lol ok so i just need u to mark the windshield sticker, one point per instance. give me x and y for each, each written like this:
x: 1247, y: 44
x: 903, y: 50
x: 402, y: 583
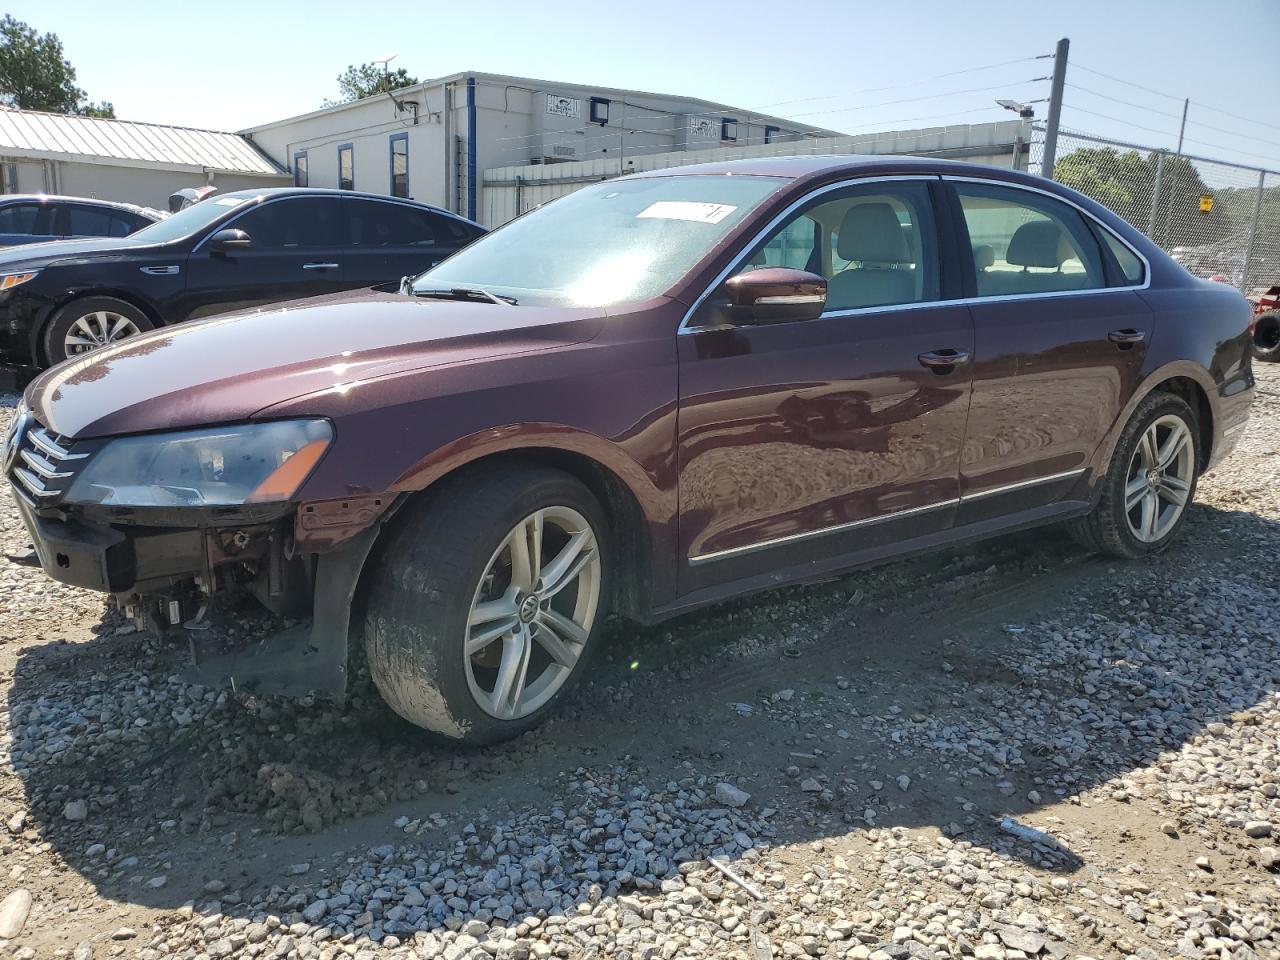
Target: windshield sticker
x: 687, y: 210
x: 229, y: 201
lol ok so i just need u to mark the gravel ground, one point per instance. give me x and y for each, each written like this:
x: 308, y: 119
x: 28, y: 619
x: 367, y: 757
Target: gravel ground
x: 1005, y: 751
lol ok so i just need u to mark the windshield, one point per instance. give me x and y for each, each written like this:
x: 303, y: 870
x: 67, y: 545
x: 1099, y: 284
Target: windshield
x: 186, y: 222
x: 614, y: 242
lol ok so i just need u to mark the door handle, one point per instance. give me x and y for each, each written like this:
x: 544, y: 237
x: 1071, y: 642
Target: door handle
x: 320, y: 266
x: 1126, y: 338
x: 943, y: 361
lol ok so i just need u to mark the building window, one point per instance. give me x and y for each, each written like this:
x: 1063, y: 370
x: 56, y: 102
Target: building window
x: 346, y: 167
x: 770, y: 132
x: 728, y: 129
x: 300, y: 169
x: 10, y: 171
x: 599, y: 110
x: 400, y: 165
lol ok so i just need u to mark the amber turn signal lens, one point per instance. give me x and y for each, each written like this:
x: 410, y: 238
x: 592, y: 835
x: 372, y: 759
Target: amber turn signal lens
x: 287, y: 477
x: 13, y: 279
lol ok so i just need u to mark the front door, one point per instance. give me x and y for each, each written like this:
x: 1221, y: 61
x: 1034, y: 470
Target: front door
x: 1057, y: 353
x: 805, y: 440
x: 297, y: 251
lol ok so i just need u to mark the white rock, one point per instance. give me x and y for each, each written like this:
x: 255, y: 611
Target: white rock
x: 731, y: 796
x: 13, y: 913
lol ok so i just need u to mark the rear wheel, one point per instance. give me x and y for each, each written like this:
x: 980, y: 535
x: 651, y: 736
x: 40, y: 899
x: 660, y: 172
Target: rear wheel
x: 1266, y: 337
x: 89, y: 323
x: 487, y: 603
x: 1150, y: 482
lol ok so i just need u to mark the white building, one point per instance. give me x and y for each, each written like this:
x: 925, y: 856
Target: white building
x: 434, y: 140
x: 138, y: 163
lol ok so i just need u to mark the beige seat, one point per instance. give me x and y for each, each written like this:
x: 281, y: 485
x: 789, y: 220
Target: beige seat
x: 872, y: 237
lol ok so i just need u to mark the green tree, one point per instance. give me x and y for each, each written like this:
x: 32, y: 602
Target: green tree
x: 34, y: 75
x: 1124, y: 182
x: 367, y: 80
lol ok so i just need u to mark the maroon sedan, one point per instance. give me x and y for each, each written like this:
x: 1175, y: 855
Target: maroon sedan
x: 654, y: 394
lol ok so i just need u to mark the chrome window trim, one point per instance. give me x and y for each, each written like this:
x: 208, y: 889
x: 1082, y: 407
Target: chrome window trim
x: 686, y: 328
x: 701, y: 558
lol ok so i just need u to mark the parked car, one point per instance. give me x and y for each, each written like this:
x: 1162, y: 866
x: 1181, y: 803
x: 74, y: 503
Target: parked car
x: 1266, y: 324
x: 36, y: 218
x: 659, y: 392
x: 235, y: 250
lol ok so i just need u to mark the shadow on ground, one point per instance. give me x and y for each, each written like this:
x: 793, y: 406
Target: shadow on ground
x: 985, y: 676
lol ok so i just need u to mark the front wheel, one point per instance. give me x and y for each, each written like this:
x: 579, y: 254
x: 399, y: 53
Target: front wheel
x: 89, y: 323
x: 487, y: 601
x: 1150, y: 482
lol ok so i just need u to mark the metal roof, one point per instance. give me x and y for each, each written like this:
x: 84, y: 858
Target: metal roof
x: 31, y: 133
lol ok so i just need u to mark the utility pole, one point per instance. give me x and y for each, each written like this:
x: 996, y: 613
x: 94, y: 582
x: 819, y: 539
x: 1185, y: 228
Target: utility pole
x: 1055, y: 108
x: 1183, y: 129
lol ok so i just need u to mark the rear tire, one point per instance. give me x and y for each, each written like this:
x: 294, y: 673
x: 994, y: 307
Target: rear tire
x: 89, y: 323
x: 1266, y: 337
x: 466, y: 636
x: 1149, y: 483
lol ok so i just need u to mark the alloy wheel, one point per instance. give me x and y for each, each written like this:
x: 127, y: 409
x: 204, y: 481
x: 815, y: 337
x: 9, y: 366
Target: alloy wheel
x: 1159, y: 480
x: 97, y: 329
x: 532, y: 612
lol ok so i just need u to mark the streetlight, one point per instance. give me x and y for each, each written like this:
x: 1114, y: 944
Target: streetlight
x: 1024, y: 110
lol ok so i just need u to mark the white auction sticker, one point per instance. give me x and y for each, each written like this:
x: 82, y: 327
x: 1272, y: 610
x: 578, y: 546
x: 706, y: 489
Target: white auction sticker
x: 228, y: 201
x: 687, y: 210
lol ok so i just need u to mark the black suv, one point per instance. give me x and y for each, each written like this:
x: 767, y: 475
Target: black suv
x: 230, y: 252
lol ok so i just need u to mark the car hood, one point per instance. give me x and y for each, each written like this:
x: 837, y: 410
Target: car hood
x: 228, y: 368
x: 42, y: 254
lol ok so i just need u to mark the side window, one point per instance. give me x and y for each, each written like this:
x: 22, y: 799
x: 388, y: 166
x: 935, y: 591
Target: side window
x: 89, y: 221
x: 123, y: 224
x: 1130, y: 266
x: 449, y: 230
x: 19, y: 218
x: 1026, y: 243
x: 294, y: 223
x: 875, y: 244
x: 346, y: 167
x: 375, y: 224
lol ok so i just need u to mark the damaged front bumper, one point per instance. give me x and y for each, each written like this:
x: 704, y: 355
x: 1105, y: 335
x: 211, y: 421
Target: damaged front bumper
x: 163, y: 568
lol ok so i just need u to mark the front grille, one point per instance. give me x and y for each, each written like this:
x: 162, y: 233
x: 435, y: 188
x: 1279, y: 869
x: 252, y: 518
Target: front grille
x: 42, y: 463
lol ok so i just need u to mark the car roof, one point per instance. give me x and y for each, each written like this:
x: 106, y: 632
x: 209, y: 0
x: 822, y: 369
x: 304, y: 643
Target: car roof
x: 332, y: 192
x: 823, y: 166
x: 9, y: 198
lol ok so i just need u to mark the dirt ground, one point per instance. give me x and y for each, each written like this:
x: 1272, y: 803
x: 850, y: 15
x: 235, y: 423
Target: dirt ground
x: 896, y: 730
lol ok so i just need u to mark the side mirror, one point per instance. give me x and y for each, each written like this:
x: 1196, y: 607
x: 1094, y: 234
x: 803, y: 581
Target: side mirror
x: 776, y: 295
x: 229, y: 241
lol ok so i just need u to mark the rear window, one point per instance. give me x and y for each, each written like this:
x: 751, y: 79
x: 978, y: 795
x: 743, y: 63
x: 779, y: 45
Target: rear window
x: 1129, y: 263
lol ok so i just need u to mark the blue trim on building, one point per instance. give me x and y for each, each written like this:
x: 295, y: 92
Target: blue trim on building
x: 391, y: 163
x: 306, y: 179
x: 471, y: 148
x: 352, y: 148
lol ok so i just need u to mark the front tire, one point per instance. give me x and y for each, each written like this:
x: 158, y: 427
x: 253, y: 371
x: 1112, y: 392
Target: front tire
x: 86, y: 324
x: 1266, y: 337
x: 1150, y: 481
x: 487, y: 602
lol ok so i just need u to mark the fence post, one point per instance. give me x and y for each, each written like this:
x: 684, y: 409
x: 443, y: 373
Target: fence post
x: 1253, y: 232
x: 1155, y: 195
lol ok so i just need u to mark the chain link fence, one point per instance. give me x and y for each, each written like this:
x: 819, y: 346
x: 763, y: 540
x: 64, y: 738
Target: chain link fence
x: 1217, y: 219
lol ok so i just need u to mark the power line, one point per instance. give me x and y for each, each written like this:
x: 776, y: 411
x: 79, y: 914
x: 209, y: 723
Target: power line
x: 1158, y: 93
x: 1165, y: 133
x: 1076, y: 86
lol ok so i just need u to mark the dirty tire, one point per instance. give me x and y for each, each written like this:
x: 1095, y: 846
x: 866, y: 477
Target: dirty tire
x: 427, y: 577
x: 1106, y: 528
x: 60, y: 324
x: 1266, y: 337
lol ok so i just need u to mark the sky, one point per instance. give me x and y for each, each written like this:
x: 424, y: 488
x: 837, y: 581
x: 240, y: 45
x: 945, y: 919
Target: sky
x: 849, y: 65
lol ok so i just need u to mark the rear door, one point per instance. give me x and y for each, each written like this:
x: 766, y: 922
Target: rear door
x: 1058, y: 351
x: 86, y: 220
x: 391, y: 240
x: 297, y: 251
